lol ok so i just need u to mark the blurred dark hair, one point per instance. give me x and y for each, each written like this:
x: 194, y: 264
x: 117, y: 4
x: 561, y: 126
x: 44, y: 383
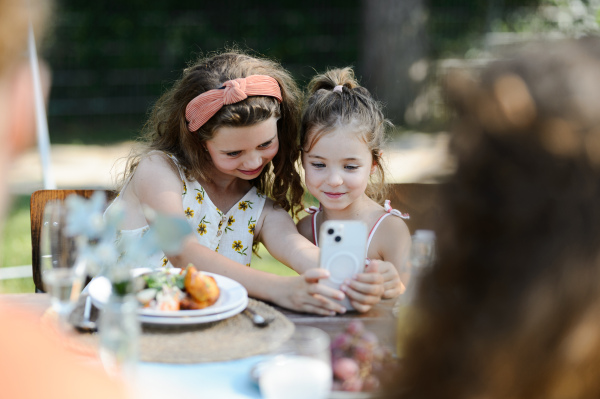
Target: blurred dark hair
x: 354, y: 109
x: 512, y: 307
x: 166, y: 129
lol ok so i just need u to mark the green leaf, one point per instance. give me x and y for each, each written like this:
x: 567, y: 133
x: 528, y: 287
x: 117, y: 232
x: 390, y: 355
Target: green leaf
x: 179, y: 279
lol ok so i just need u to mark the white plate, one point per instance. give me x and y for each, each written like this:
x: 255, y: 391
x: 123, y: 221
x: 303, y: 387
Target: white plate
x: 232, y: 295
x: 193, y: 319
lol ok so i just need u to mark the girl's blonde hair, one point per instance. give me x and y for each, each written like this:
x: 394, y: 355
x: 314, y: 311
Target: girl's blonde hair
x: 166, y: 129
x: 353, y: 107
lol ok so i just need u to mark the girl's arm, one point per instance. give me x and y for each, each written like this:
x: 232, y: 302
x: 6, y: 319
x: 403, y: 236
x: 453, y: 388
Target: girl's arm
x: 280, y: 237
x: 157, y: 184
x: 300, y: 293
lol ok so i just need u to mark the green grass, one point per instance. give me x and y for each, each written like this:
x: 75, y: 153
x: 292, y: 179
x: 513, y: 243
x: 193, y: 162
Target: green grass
x: 269, y: 264
x: 15, y: 249
x: 15, y: 246
x: 17, y: 286
x: 16, y: 243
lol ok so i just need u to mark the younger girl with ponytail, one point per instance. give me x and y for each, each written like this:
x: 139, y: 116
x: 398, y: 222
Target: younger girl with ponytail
x: 342, y: 133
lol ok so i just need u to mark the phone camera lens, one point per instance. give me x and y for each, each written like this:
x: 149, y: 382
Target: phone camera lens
x: 338, y: 239
x: 330, y: 231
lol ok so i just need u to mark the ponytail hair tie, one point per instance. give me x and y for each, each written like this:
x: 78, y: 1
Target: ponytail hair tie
x: 206, y: 105
x: 338, y: 88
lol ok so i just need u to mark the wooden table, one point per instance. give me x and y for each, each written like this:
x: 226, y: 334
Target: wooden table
x: 379, y: 319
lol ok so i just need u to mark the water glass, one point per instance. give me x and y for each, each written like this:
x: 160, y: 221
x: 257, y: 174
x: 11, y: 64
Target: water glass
x: 300, y: 368
x: 422, y: 256
x: 422, y: 252
x: 62, y: 272
x: 119, y: 330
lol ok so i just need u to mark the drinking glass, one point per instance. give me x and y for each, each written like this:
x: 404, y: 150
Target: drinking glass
x: 62, y: 273
x: 119, y: 330
x: 421, y: 257
x: 300, y: 368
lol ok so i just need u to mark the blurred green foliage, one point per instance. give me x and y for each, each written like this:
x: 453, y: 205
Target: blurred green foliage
x: 112, y: 59
x: 133, y: 33
x: 568, y: 17
x: 455, y: 26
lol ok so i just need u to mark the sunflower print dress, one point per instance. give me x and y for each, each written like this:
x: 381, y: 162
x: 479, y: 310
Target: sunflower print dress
x: 230, y: 233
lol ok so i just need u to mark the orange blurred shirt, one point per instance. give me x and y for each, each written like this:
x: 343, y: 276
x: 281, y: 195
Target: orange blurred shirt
x: 32, y: 365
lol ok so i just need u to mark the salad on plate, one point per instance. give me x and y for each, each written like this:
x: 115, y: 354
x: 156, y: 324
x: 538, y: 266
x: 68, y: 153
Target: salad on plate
x: 177, y: 289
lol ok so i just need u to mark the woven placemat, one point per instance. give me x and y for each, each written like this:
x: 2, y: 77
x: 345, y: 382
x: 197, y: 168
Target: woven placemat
x: 229, y: 339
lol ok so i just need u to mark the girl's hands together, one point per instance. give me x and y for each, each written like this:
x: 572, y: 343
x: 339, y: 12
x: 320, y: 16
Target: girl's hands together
x: 305, y: 294
x: 365, y: 289
x: 392, y: 284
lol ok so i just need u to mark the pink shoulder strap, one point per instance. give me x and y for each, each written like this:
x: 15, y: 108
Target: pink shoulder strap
x: 388, y: 208
x: 388, y: 211
x: 314, y: 211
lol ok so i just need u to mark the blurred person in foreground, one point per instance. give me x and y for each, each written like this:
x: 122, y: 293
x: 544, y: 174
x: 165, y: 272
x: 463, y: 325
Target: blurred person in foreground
x: 31, y: 364
x: 511, y: 309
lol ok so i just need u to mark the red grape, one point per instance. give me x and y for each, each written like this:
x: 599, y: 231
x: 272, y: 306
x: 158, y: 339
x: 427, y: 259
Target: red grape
x: 358, y: 360
x: 355, y: 327
x: 369, y: 338
x: 342, y: 341
x: 353, y: 385
x: 363, y: 353
x: 345, y: 368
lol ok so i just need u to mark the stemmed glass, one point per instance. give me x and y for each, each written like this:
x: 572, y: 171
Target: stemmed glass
x: 62, y: 273
x: 300, y: 368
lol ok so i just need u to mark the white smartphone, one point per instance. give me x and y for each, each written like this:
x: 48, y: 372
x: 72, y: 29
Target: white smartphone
x: 343, y: 246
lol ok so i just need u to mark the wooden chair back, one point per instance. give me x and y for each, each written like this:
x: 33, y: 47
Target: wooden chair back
x: 37, y: 204
x: 420, y: 200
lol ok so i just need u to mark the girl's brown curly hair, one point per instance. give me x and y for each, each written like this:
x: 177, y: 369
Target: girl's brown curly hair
x: 166, y: 129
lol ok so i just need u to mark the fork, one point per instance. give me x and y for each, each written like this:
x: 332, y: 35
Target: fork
x: 257, y: 319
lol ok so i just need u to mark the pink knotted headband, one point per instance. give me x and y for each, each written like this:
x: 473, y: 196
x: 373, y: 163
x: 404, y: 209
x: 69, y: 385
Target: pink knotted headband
x: 205, y: 105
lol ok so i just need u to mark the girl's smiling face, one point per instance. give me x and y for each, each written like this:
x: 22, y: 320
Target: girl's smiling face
x: 244, y: 151
x: 337, y: 168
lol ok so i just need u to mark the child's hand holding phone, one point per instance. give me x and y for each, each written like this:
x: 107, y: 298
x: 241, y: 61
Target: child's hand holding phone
x: 365, y: 289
